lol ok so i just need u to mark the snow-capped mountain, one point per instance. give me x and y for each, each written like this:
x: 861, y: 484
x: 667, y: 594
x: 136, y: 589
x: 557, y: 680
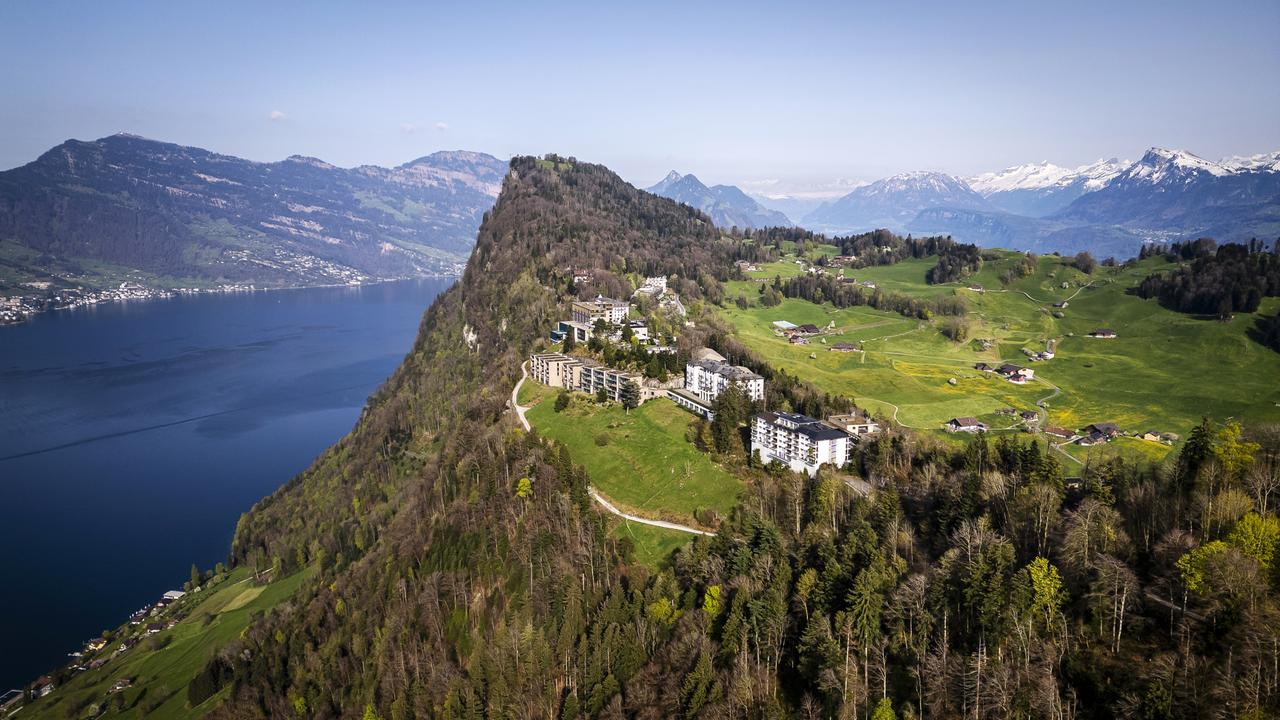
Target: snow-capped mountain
x: 893, y: 202
x: 1039, y: 189
x: 1265, y: 162
x: 726, y: 205
x: 1177, y: 191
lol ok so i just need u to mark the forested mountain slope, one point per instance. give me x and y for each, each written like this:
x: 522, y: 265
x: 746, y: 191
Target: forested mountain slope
x: 190, y: 215
x: 975, y: 581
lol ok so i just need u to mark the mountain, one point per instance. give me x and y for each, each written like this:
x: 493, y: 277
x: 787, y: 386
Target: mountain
x: 1039, y: 189
x: 893, y: 202
x: 726, y: 205
x: 793, y: 206
x: 1019, y: 232
x: 1183, y: 195
x: 94, y: 211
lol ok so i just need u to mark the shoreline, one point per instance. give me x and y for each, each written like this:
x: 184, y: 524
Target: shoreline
x: 149, y: 294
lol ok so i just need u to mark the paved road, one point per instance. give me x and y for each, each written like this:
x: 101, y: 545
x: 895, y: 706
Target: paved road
x: 524, y: 422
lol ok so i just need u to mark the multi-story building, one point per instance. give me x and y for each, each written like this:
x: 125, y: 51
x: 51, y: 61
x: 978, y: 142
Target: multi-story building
x: 707, y: 375
x: 584, y: 375
x: 798, y: 441
x: 613, y: 312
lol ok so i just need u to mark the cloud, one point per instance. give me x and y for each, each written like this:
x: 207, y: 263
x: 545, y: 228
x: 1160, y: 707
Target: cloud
x: 441, y: 126
x: 276, y: 116
x: 408, y: 128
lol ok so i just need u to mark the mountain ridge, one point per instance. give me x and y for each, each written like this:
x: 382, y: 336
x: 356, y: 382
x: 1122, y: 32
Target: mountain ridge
x: 726, y: 205
x: 193, y: 214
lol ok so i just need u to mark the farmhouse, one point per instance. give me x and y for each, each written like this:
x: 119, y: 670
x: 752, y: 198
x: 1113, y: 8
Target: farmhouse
x: 855, y: 423
x: 613, y: 312
x: 707, y: 375
x: 1061, y: 305
x: 845, y: 347
x: 1029, y: 415
x: 1015, y: 374
x: 1059, y: 432
x: 1106, y: 429
x: 964, y: 424
x: 746, y: 267
x: 1103, y: 333
x: 798, y: 340
x: 798, y: 441
x: 808, y: 329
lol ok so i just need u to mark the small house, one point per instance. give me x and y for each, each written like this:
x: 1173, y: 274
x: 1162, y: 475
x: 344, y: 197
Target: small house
x: 1105, y: 429
x: 798, y: 340
x: 964, y: 424
x: 1059, y: 432
x: 121, y: 684
x: 1103, y: 333
x: 1029, y: 415
x: 855, y: 423
x: 809, y: 329
x: 845, y: 347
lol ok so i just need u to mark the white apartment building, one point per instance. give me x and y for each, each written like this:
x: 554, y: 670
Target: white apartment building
x: 798, y: 441
x: 613, y: 312
x: 707, y: 375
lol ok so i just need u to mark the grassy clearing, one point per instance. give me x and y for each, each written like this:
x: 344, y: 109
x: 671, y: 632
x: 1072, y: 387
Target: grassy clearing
x: 161, y: 666
x: 1163, y: 372
x: 645, y: 464
x: 651, y: 546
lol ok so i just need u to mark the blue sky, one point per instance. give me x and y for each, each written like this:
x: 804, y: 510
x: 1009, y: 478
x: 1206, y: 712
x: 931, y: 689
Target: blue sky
x: 742, y: 92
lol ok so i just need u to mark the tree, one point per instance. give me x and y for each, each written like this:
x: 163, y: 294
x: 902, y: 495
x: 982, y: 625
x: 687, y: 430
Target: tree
x: 562, y: 400
x: 1233, y: 453
x: 570, y: 341
x: 602, y: 395
x: 524, y: 488
x: 195, y: 576
x: 629, y: 395
x: 884, y: 710
x: 1047, y: 593
x: 1085, y: 263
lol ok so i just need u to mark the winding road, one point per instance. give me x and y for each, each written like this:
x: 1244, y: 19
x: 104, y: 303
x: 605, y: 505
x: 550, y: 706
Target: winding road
x: 524, y: 422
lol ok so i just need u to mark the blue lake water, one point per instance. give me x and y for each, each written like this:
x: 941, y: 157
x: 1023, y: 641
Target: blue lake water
x: 132, y: 437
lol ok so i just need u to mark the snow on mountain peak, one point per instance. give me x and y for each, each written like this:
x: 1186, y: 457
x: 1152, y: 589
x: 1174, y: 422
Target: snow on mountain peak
x: 1161, y: 165
x: 1263, y: 162
x: 1046, y: 175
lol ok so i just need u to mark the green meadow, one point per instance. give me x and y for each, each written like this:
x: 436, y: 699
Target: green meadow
x: 1164, y: 371
x: 162, y: 665
x: 641, y: 461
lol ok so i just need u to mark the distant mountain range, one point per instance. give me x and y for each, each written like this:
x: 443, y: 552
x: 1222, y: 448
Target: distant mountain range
x: 726, y: 205
x: 125, y: 203
x: 1109, y: 207
x: 894, y: 202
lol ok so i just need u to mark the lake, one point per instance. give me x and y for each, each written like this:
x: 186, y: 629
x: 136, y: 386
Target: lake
x: 132, y: 437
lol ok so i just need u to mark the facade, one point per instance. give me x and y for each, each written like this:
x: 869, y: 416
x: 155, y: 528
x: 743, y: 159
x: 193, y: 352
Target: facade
x: 582, y: 332
x: 692, y: 403
x: 584, y: 375
x: 798, y: 441
x: 707, y: 378
x: 613, y: 312
x: 653, y: 286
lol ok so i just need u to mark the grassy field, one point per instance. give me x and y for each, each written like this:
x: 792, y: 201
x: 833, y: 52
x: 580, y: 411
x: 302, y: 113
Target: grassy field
x: 1163, y: 372
x: 161, y: 666
x: 645, y: 466
x: 652, y: 546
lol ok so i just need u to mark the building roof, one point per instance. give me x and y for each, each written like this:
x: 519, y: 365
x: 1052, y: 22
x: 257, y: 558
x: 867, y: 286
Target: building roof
x: 784, y: 325
x: 1059, y: 431
x: 964, y: 422
x: 803, y: 424
x: 706, y: 353
x: 725, y: 370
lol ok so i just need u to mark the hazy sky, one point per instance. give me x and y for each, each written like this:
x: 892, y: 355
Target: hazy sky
x: 735, y: 92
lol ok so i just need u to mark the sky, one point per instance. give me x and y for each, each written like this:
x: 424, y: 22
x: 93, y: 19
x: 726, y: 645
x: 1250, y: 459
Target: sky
x: 781, y: 94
